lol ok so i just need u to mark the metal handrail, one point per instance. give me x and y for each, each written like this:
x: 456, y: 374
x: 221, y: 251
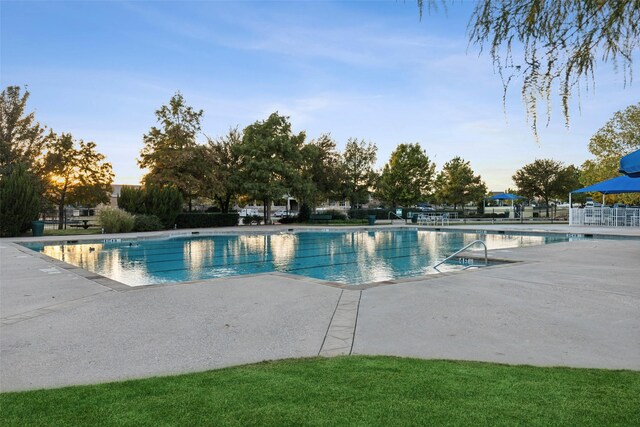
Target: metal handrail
x: 396, y: 215
x: 486, y: 259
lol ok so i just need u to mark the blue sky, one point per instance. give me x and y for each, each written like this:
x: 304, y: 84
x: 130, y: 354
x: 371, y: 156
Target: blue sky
x: 364, y: 69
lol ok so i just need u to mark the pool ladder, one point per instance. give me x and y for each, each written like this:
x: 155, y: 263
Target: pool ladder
x: 475, y: 242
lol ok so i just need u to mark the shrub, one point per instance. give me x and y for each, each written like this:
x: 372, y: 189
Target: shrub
x: 116, y: 220
x: 288, y: 220
x: 166, y: 203
x: 213, y: 209
x: 378, y: 213
x: 19, y: 201
x: 206, y: 220
x: 305, y: 213
x: 336, y: 215
x: 147, y: 223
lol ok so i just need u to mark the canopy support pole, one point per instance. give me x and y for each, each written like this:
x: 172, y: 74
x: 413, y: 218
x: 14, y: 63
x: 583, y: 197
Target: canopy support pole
x: 570, y: 210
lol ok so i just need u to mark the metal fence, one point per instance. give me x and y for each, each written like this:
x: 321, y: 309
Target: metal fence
x: 605, y: 216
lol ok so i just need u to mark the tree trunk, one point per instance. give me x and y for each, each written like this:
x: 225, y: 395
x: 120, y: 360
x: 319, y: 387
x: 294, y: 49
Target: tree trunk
x: 190, y: 203
x: 267, y: 211
x: 63, y: 194
x: 546, y: 202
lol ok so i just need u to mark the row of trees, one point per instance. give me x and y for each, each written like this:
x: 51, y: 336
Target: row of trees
x: 264, y: 161
x: 267, y: 160
x: 54, y: 170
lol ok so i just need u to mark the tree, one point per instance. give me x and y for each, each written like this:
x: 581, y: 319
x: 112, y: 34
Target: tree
x: 408, y: 177
x: 456, y: 184
x: 164, y: 202
x: 618, y: 137
x: 132, y: 200
x: 546, y: 179
x: 75, y: 173
x: 19, y: 201
x: 320, y: 172
x: 358, y: 161
x: 171, y: 153
x: 222, y: 178
x: 269, y: 157
x: 21, y: 137
x: 561, y: 43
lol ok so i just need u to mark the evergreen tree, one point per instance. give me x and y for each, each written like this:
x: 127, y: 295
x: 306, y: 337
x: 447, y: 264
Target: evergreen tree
x: 19, y: 201
x: 21, y: 137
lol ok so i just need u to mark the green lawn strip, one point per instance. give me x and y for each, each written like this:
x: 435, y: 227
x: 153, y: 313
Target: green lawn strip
x: 355, y: 390
x: 72, y: 232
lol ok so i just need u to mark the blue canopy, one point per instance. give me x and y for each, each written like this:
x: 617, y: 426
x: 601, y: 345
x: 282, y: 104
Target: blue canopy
x: 630, y: 164
x: 505, y: 196
x: 620, y: 184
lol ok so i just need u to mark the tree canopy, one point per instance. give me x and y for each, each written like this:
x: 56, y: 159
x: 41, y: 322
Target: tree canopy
x: 358, y: 162
x: 546, y: 179
x: 554, y: 43
x: 221, y: 180
x: 457, y: 184
x: 21, y: 137
x: 269, y: 158
x: 74, y: 173
x: 618, y: 137
x: 171, y: 152
x: 407, y: 178
x: 320, y: 171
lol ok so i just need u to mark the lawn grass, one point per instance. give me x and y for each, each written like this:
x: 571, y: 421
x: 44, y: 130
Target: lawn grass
x: 355, y: 390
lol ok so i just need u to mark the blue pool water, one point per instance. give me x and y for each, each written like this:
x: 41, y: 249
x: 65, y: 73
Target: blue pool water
x: 345, y: 257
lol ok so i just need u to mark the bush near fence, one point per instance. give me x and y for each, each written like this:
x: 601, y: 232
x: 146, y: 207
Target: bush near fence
x: 364, y: 213
x: 206, y: 220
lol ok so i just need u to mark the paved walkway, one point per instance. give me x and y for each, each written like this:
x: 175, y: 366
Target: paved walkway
x: 570, y: 304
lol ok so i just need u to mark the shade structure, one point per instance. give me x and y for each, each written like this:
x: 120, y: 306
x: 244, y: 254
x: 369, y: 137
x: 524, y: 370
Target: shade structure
x: 630, y: 164
x: 505, y: 196
x: 618, y: 185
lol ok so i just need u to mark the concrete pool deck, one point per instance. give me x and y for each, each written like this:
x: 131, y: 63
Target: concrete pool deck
x: 566, y: 304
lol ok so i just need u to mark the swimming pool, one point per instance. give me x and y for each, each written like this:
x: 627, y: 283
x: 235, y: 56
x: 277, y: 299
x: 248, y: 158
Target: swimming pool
x: 352, y: 258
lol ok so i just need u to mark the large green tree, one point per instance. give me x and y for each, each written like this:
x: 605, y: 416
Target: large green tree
x: 554, y: 45
x: 222, y: 176
x: 407, y: 178
x: 269, y: 157
x: 358, y: 163
x: 457, y: 184
x: 21, y: 137
x: 171, y: 153
x: 320, y: 172
x: 546, y: 179
x: 74, y: 173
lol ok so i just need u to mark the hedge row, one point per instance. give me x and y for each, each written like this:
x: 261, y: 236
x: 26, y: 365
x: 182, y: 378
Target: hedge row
x: 206, y: 220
